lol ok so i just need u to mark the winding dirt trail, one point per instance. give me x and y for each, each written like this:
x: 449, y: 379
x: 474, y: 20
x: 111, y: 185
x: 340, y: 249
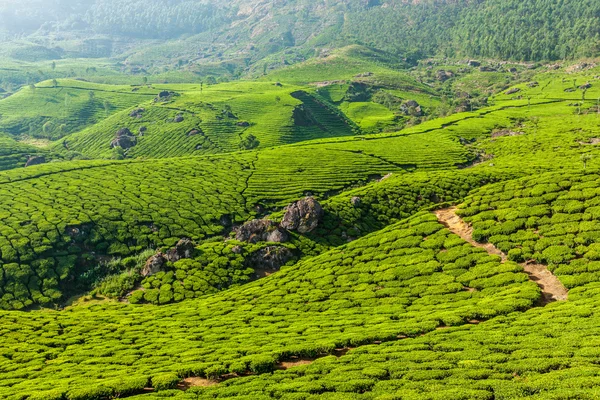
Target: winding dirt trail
x: 552, y: 288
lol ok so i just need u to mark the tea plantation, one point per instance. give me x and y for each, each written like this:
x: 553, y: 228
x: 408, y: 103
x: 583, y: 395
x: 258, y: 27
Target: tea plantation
x: 386, y: 285
x: 382, y: 299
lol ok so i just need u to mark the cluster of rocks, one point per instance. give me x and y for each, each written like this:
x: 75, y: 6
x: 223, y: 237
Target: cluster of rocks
x: 411, y: 107
x: 261, y: 230
x: 513, y: 91
x: 137, y: 113
x: 124, y: 139
x: 443, y: 75
x: 178, y: 118
x: 302, y: 216
x: 183, y: 249
x: 270, y: 258
x: 164, y: 96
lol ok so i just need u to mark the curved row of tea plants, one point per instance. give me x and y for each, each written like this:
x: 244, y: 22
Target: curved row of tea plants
x: 553, y: 219
x: 406, y: 280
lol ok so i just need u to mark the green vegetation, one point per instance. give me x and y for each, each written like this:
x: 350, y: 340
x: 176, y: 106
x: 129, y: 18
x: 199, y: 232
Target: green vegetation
x: 296, y: 200
x: 347, y: 297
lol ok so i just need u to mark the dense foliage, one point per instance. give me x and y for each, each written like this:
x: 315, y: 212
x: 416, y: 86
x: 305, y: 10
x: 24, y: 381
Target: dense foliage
x: 386, y: 285
x: 518, y: 30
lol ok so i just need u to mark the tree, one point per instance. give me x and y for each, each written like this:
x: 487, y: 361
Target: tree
x: 53, y: 66
x: 249, y: 142
x: 585, y: 158
x: 107, y: 106
x: 54, y: 83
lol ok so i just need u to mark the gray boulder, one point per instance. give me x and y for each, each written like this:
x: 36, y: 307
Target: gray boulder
x: 261, y: 230
x: 269, y: 259
x: 183, y: 249
x: 303, y: 216
x: 124, y: 139
x: 154, y: 265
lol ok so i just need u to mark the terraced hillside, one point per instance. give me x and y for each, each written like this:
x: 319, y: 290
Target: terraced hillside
x: 78, y: 214
x: 453, y: 258
x: 53, y: 109
x: 410, y: 290
x: 75, y: 222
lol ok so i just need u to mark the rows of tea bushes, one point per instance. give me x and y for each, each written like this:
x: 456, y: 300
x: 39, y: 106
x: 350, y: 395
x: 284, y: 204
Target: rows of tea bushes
x: 216, y: 266
x: 58, y: 223
x: 159, y: 132
x: 15, y: 155
x: 200, y: 120
x: 406, y: 280
x: 553, y: 219
x: 55, y: 225
x: 353, y: 213
x: 365, y: 158
x: 519, y: 356
x: 51, y: 110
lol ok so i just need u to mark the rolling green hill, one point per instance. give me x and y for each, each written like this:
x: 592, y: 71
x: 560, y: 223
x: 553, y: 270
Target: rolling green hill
x: 299, y: 200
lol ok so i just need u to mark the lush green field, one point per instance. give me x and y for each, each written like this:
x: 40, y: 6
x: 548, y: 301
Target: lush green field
x: 381, y: 301
x: 385, y: 285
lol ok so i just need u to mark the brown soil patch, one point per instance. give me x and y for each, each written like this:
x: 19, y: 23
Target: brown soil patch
x: 552, y: 288
x: 456, y: 225
x: 294, y: 363
x: 188, y: 383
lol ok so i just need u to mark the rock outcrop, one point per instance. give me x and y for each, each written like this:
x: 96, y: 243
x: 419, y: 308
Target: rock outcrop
x: 270, y: 258
x: 124, y: 139
x: 303, y: 216
x: 154, y: 265
x: 137, y: 113
x: 261, y: 230
x: 183, y: 249
x: 443, y: 75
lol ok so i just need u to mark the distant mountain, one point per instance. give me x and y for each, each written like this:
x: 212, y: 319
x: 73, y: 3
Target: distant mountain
x: 530, y: 30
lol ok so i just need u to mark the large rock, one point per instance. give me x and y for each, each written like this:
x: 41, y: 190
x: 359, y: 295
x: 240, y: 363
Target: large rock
x: 137, y: 113
x: 124, y: 139
x: 125, y: 142
x: 443, y: 75
x: 183, y: 249
x: 261, y: 230
x: 303, y: 216
x: 154, y: 265
x: 269, y: 259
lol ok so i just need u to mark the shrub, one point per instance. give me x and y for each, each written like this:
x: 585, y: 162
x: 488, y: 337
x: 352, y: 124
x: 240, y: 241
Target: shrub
x: 165, y: 381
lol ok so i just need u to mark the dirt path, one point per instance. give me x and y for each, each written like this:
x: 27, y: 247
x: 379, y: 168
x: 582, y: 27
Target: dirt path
x: 552, y: 288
